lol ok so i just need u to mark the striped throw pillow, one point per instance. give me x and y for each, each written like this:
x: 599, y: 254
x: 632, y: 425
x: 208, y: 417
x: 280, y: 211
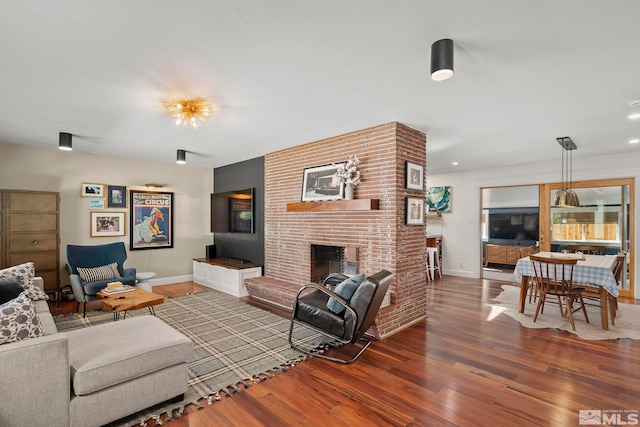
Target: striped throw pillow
x: 105, y: 272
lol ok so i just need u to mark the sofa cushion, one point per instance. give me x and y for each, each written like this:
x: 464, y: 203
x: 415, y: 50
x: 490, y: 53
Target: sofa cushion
x: 346, y: 290
x: 25, y: 273
x: 104, y: 272
x: 18, y: 320
x: 105, y: 355
x: 10, y: 288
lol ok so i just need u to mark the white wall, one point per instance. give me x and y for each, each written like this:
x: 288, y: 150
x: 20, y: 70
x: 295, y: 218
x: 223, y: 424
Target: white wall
x: 32, y: 168
x: 461, y: 228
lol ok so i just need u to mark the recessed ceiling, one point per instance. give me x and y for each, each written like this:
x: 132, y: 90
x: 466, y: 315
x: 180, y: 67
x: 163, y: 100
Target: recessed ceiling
x: 283, y: 73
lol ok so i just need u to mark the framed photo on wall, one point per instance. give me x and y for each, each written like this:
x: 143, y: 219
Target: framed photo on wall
x: 116, y: 196
x: 415, y: 211
x: 107, y: 224
x: 322, y: 183
x: 96, y: 204
x: 439, y: 199
x: 92, y: 190
x: 151, y: 220
x: 414, y: 176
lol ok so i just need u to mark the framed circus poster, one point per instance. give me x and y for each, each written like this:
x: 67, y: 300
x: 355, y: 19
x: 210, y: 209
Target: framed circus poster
x: 151, y: 220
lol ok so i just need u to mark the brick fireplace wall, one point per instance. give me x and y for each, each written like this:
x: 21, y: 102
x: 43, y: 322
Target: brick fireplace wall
x: 381, y: 236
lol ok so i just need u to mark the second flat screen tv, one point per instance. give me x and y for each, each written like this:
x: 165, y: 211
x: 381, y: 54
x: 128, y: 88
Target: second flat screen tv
x: 514, y: 225
x: 232, y: 211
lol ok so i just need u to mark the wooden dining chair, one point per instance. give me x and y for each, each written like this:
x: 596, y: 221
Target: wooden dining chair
x: 554, y: 276
x: 618, y: 269
x: 587, y: 249
x: 591, y: 294
x: 531, y: 285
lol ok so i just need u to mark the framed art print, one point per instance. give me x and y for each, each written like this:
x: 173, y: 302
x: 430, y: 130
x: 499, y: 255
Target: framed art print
x: 151, y: 220
x: 322, y: 183
x: 107, y: 224
x: 415, y: 211
x: 116, y: 196
x: 439, y: 199
x: 96, y: 204
x: 92, y: 190
x: 414, y: 176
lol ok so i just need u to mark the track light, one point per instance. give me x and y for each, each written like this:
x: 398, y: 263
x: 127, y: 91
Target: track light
x: 182, y: 157
x: 64, y: 143
x: 442, y: 60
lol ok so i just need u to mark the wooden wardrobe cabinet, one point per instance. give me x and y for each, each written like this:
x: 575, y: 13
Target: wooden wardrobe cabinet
x: 29, y: 231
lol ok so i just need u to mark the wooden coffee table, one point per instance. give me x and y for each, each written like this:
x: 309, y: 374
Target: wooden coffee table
x: 132, y: 300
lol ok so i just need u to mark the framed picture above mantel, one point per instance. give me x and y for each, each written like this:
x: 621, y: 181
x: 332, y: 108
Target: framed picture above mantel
x: 321, y: 183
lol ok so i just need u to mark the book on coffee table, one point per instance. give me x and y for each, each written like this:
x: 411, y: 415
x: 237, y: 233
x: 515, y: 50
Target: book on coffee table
x: 119, y: 290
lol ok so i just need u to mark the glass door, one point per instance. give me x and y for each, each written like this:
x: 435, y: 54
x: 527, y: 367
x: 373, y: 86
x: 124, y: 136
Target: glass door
x: 604, y: 218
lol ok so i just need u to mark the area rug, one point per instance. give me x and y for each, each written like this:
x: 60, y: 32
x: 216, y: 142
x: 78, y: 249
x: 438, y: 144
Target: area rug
x: 235, y: 345
x: 627, y: 319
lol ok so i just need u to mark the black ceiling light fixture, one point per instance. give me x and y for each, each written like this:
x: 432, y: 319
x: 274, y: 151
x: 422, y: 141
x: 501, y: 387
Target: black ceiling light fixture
x: 442, y: 60
x: 64, y: 143
x: 565, y: 196
x: 182, y: 157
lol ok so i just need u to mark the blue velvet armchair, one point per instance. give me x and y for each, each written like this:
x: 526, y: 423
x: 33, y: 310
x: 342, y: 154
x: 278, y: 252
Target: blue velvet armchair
x: 89, y: 259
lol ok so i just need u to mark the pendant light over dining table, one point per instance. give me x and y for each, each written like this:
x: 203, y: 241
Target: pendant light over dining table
x: 565, y: 196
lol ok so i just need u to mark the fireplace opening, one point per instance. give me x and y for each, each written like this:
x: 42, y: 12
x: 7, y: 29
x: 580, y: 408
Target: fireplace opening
x: 332, y: 259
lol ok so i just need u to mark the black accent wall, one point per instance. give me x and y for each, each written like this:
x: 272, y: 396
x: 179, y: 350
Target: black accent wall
x: 244, y: 246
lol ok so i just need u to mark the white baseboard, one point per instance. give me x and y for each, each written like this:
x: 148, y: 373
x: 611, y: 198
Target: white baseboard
x: 461, y: 273
x: 171, y: 280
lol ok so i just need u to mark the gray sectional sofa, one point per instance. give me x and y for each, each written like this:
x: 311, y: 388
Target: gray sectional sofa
x: 91, y: 376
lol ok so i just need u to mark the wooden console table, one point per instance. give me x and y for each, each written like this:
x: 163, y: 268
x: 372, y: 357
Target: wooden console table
x: 224, y: 275
x: 502, y: 254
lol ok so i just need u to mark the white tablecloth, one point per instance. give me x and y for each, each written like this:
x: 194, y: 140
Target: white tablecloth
x: 596, y: 270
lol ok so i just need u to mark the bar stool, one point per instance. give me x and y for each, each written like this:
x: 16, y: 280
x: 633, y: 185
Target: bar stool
x: 433, y: 260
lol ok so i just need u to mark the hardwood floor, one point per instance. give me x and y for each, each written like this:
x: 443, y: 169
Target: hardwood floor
x: 458, y: 368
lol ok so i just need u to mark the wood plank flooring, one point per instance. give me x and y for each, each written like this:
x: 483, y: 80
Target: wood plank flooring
x: 460, y: 367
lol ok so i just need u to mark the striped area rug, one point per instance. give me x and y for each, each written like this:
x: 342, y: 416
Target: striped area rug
x: 235, y: 345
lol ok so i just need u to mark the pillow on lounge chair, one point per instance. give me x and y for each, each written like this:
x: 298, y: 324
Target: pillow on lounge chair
x: 24, y: 274
x: 346, y: 289
x: 18, y: 320
x: 104, y: 272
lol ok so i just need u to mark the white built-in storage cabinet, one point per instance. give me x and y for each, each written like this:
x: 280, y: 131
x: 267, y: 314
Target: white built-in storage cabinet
x: 224, y: 276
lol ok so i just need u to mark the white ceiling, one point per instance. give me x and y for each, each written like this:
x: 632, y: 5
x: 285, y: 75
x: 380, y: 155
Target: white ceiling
x: 286, y: 72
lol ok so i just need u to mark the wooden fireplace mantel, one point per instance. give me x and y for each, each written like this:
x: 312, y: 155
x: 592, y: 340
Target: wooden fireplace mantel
x: 335, y: 206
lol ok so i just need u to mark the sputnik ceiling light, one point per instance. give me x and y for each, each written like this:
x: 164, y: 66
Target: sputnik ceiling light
x: 187, y: 110
x: 65, y: 141
x: 565, y: 196
x: 442, y: 60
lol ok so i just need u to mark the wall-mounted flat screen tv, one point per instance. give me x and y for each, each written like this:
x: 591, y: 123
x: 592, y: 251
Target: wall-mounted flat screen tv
x: 232, y: 211
x: 522, y: 224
